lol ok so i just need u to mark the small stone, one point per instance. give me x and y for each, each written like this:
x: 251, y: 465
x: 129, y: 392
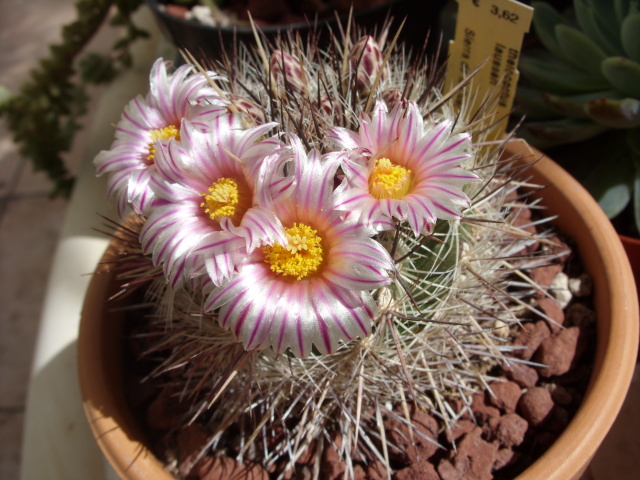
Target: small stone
x: 458, y: 429
x: 579, y: 315
x: 375, y: 470
x: 544, y: 275
x: 559, y: 420
x: 558, y: 248
x: 522, y: 374
x: 501, y: 329
x: 505, y: 395
x: 561, y: 351
x: 581, y: 286
x: 530, y: 338
x: 473, y: 461
x: 191, y: 442
x: 536, y: 406
x: 304, y: 472
x: 216, y: 468
x: 359, y: 473
x: 579, y: 374
x: 560, y: 289
x: 399, y: 437
x: 508, y: 429
x: 559, y: 394
x: 505, y: 457
x: 308, y: 455
x: 553, y: 311
x: 520, y: 215
x: 331, y: 464
x: 423, y: 470
x: 481, y: 409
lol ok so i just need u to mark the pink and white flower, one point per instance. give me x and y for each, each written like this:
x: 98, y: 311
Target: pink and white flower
x: 313, y: 287
x: 396, y: 167
x: 130, y: 162
x: 210, y: 193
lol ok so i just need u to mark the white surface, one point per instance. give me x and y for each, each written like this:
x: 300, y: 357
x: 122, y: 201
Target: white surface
x: 57, y: 441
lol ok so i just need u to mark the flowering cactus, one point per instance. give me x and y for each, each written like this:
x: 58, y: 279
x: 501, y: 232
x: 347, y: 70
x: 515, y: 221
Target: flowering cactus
x: 330, y: 241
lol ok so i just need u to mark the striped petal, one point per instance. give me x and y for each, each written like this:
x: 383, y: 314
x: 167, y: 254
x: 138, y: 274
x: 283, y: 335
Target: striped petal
x: 172, y: 97
x: 358, y: 264
x: 265, y: 304
x: 429, y: 153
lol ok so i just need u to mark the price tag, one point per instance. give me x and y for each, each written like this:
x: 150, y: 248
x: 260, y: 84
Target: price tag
x: 489, y: 32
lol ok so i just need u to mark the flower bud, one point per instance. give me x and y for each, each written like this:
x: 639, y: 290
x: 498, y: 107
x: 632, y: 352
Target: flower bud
x: 249, y: 108
x: 286, y: 71
x: 328, y: 106
x: 393, y: 97
x: 366, y: 61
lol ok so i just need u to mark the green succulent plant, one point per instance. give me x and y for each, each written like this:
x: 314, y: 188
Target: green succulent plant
x: 585, y: 84
x: 46, y: 112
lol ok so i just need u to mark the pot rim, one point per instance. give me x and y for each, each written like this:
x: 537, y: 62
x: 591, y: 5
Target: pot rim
x: 267, y: 29
x: 617, y: 345
x: 567, y: 458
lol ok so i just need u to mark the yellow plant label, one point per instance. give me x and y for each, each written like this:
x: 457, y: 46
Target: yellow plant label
x: 489, y: 35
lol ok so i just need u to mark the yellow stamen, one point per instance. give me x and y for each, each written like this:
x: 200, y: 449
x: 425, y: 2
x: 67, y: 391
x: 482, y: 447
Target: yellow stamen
x: 388, y: 180
x: 165, y: 133
x: 300, y: 257
x: 222, y: 200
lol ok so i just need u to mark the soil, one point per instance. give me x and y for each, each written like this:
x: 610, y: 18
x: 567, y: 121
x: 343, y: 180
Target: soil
x: 499, y: 434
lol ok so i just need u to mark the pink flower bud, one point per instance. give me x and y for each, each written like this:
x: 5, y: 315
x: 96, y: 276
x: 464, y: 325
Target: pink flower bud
x: 249, y: 107
x: 286, y: 71
x: 366, y: 61
x: 393, y: 97
x: 328, y: 106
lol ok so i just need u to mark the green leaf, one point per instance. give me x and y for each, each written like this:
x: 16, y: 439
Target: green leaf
x: 574, y: 105
x: 580, y: 51
x: 621, y: 8
x: 607, y: 16
x: 96, y: 68
x: 611, y: 184
x: 530, y: 102
x: 610, y: 44
x: 630, y: 36
x: 557, y: 78
x: 624, y: 75
x: 545, y: 19
x: 613, y: 113
x: 560, y: 132
x: 5, y: 96
x: 633, y: 141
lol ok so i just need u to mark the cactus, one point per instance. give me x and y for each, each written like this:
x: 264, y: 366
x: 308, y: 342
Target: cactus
x: 585, y: 83
x: 440, y: 321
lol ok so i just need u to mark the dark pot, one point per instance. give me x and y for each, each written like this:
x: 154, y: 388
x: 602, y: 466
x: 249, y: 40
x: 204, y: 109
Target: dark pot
x: 206, y: 42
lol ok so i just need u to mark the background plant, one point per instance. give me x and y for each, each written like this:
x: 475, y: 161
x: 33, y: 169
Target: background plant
x: 45, y: 114
x: 585, y: 83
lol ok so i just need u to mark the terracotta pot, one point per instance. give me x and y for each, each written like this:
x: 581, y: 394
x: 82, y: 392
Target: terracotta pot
x: 122, y: 441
